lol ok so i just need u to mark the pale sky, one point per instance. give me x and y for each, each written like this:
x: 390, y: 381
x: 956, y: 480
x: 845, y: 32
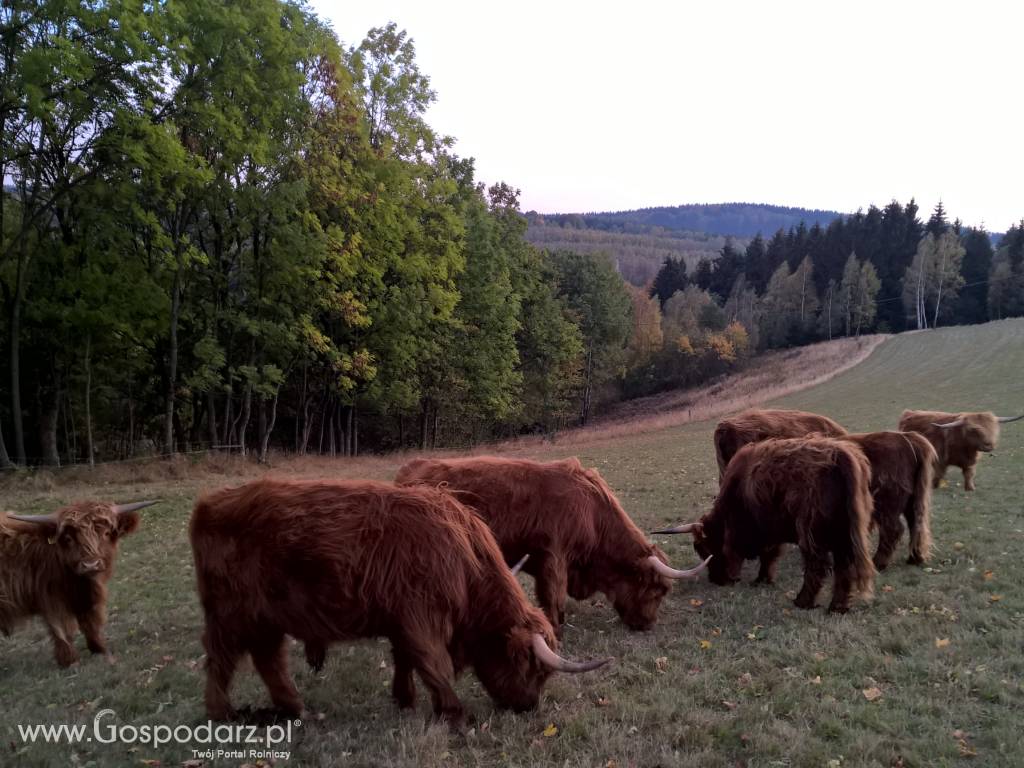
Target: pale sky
x: 590, y: 106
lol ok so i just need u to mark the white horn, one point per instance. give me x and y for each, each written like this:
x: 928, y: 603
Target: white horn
x: 681, y: 528
x: 672, y: 573
x: 122, y: 509
x: 950, y: 425
x: 519, y: 566
x: 49, y: 519
x: 549, y: 658
x: 1008, y: 419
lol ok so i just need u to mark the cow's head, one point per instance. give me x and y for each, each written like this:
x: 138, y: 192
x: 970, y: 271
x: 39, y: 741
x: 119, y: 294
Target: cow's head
x: 979, y: 431
x: 515, y: 664
x: 636, y: 588
x: 85, y: 534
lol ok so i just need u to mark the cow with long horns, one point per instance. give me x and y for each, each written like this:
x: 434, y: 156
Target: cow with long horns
x: 757, y: 424
x: 579, y: 538
x: 957, y: 437
x: 813, y: 492
x: 902, y: 471
x: 329, y: 561
x: 57, y: 566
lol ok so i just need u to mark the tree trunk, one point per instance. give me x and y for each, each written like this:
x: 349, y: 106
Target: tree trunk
x: 172, y: 364
x: 49, y: 401
x: 323, y: 421
x: 353, y: 440
x: 830, y: 313
x: 5, y: 460
x: 401, y: 431
x: 424, y: 424
x: 16, y: 415
x: 243, y: 417
x: 585, y: 410
x: 265, y: 446
x: 330, y: 431
x: 436, y: 426
x: 211, y: 418
x: 88, y: 402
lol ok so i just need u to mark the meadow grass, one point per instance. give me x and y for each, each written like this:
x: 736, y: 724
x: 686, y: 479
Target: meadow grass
x: 730, y: 676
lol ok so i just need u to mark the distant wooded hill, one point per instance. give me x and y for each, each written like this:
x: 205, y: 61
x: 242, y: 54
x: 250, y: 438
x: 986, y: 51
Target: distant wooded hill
x: 639, y: 241
x: 735, y: 219
x: 638, y: 254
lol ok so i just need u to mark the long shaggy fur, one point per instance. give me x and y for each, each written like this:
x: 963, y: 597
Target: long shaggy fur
x: 813, y: 492
x: 579, y: 538
x: 902, y: 471
x: 329, y: 561
x: 957, y: 446
x: 758, y: 424
x: 43, y: 573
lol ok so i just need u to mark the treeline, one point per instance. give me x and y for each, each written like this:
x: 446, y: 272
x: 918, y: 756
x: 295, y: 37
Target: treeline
x: 737, y: 219
x: 221, y: 227
x: 881, y: 270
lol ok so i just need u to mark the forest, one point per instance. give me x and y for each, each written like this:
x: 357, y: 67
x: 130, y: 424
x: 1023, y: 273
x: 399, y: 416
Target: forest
x: 223, y: 228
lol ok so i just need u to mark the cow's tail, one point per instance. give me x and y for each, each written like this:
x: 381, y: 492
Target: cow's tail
x: 919, y: 513
x: 856, y: 472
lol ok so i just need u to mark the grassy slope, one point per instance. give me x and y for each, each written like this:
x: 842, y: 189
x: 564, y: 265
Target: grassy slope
x: 773, y: 686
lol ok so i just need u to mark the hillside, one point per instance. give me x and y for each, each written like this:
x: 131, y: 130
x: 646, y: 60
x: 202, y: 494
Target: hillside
x: 734, y: 219
x: 638, y: 254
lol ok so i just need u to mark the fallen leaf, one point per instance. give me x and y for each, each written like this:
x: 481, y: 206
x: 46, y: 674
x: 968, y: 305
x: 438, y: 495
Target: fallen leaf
x: 988, y: 575
x: 872, y: 694
x: 958, y: 545
x: 943, y: 484
x: 633, y: 729
x: 550, y: 731
x: 602, y: 701
x: 705, y: 644
x: 888, y: 588
x: 696, y: 602
x: 816, y: 680
x: 819, y: 656
x: 751, y: 636
x: 716, y: 631
x: 833, y: 763
x: 611, y: 763
x: 941, y: 642
x: 995, y: 598
x: 661, y: 663
x: 730, y: 705
x: 745, y: 680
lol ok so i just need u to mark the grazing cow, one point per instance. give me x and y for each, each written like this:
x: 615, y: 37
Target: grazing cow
x: 757, y: 424
x: 57, y: 566
x: 325, y: 561
x: 579, y: 539
x: 902, y: 469
x: 957, y: 437
x: 811, y: 491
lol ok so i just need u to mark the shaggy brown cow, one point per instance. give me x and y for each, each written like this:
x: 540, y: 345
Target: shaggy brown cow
x: 568, y: 520
x: 757, y: 424
x: 957, y: 437
x: 57, y: 566
x: 810, y: 491
x: 902, y: 468
x: 326, y: 561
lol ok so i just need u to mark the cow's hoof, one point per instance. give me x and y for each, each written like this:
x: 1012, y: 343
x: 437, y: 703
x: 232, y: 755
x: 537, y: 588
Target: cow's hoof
x: 915, y: 560
x: 840, y: 608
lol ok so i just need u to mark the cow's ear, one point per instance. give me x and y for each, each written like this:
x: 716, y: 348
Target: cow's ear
x: 127, y: 522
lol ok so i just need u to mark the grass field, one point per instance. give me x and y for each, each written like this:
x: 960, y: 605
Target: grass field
x: 730, y: 676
